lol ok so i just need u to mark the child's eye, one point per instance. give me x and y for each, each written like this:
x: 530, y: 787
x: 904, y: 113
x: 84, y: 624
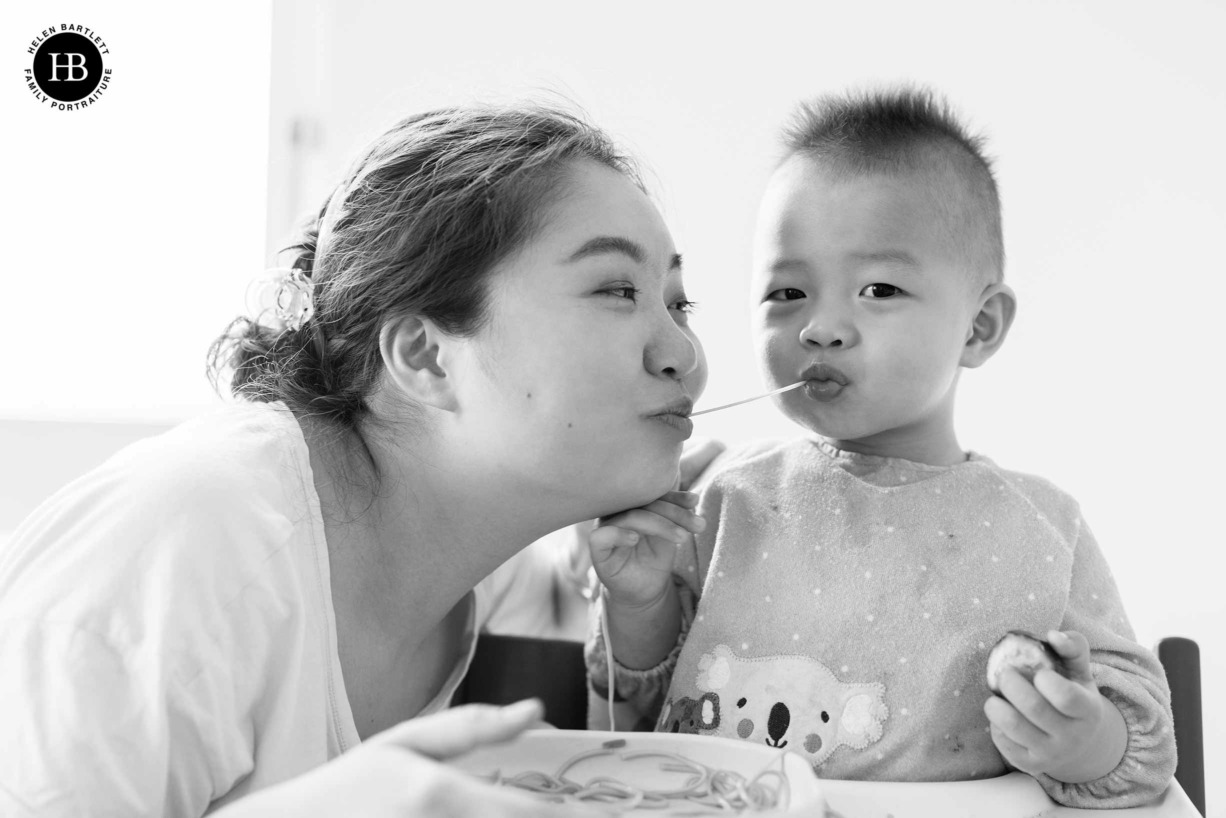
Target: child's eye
x: 880, y: 291
x: 627, y: 291
x: 786, y: 294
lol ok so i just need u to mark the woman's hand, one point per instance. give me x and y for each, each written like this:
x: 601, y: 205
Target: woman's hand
x: 397, y: 774
x: 1059, y: 726
x: 632, y: 551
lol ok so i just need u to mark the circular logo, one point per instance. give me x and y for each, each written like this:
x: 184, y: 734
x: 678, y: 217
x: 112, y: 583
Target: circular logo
x: 68, y: 67
x: 67, y: 71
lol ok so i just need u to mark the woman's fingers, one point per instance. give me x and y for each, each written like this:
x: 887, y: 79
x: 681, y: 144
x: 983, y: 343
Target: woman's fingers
x: 456, y: 731
x: 465, y: 797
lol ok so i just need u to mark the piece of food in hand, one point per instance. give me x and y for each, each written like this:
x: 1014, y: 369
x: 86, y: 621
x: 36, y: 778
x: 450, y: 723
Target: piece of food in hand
x: 1025, y: 653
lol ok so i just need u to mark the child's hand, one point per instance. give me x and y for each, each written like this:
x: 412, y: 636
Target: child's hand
x: 632, y: 551
x: 1059, y: 726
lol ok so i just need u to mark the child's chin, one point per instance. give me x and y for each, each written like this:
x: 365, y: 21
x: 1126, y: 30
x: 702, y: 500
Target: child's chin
x: 810, y: 424
x: 831, y: 431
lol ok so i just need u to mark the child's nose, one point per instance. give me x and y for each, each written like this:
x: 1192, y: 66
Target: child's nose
x: 827, y: 329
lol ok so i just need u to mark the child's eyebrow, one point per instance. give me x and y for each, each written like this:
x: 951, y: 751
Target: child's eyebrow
x: 887, y: 256
x: 617, y: 244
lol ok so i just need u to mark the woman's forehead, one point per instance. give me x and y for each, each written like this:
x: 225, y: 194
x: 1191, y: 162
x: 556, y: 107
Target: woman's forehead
x: 599, y: 208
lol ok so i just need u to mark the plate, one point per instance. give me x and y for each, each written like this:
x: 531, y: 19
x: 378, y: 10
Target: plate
x: 547, y: 750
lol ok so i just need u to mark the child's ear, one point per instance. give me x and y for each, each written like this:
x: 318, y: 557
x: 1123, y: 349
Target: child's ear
x: 990, y: 325
x: 411, y: 348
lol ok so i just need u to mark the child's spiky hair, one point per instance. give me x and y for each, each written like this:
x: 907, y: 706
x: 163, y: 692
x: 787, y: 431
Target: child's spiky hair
x: 898, y: 130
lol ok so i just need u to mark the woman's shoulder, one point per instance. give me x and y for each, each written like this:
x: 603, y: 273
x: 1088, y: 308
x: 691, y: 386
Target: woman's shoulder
x: 236, y: 452
x: 202, y: 506
x: 187, y: 587
x: 242, y: 466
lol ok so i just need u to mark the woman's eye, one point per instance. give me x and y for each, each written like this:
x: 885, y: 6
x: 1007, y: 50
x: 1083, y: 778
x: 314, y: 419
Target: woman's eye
x: 628, y: 292
x: 880, y: 291
x: 786, y: 294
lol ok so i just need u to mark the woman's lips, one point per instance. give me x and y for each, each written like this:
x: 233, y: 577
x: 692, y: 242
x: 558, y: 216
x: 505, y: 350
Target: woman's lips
x: 679, y: 422
x: 677, y: 415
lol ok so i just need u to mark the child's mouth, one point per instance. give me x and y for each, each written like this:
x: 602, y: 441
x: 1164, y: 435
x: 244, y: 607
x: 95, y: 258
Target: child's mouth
x: 823, y: 390
x: 823, y: 382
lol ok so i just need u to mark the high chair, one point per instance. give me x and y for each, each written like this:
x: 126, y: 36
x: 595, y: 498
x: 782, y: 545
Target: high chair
x: 1180, y: 659
x: 506, y: 669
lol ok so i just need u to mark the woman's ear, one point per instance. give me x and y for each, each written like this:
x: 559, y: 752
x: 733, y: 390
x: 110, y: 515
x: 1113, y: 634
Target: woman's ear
x: 410, y: 348
x: 990, y: 325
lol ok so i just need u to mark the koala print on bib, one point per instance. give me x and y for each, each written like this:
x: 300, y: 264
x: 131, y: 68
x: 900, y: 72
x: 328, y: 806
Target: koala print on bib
x: 780, y: 701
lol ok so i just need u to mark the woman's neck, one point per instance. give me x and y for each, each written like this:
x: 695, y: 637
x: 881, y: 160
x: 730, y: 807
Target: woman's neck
x: 410, y: 531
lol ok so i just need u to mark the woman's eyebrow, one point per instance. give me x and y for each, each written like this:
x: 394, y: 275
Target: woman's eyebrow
x: 617, y: 244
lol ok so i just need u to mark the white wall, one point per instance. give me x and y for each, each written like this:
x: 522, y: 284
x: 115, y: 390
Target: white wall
x: 1106, y: 117
x: 131, y: 227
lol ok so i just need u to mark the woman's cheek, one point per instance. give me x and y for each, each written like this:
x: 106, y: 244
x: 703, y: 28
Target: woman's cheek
x: 696, y: 381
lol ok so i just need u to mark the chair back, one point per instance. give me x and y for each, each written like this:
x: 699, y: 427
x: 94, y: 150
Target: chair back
x: 506, y: 669
x: 1180, y: 659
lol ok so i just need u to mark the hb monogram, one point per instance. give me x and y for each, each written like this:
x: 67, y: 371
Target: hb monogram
x: 71, y: 65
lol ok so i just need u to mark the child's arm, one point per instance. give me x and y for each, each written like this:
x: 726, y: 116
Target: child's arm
x: 633, y: 554
x: 637, y: 555
x: 1116, y: 705
x: 652, y: 581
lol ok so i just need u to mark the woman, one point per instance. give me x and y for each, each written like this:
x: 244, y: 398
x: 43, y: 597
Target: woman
x: 483, y: 339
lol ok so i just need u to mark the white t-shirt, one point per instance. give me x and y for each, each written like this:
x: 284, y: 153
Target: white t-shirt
x: 167, y: 636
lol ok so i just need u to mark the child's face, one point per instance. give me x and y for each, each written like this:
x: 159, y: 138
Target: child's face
x: 861, y: 291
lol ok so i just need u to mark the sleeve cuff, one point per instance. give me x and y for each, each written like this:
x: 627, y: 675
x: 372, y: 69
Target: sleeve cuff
x: 644, y: 689
x: 1149, y: 759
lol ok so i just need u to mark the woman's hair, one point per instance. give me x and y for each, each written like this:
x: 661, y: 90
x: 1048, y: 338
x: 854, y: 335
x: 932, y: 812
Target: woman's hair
x: 415, y: 228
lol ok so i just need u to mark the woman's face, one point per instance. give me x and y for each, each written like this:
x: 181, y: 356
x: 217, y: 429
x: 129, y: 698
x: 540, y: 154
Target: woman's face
x: 579, y: 386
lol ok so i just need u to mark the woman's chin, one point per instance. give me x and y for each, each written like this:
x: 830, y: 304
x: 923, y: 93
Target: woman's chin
x: 639, y: 493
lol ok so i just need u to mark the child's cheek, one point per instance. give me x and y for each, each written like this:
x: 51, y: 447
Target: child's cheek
x: 774, y: 355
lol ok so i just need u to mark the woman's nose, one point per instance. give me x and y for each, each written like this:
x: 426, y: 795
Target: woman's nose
x: 672, y: 353
x: 828, y: 327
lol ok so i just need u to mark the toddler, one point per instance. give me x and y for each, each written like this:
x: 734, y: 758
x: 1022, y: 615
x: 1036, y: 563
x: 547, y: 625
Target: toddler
x: 841, y: 591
